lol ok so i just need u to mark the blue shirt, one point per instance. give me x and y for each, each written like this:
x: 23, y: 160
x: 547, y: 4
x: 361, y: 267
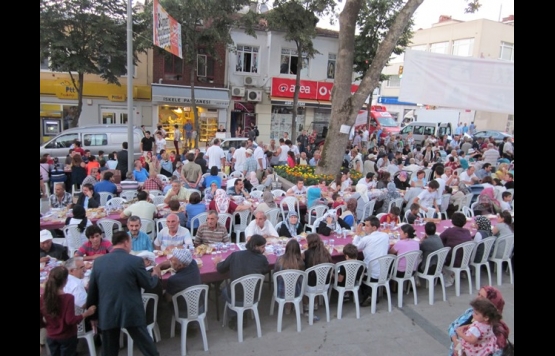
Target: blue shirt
x: 140, y: 176
x: 192, y: 211
x: 141, y: 242
x: 188, y: 127
x: 464, y: 163
x: 105, y: 186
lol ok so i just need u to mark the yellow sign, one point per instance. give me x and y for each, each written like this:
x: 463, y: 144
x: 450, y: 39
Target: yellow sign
x: 66, y: 90
x: 116, y: 97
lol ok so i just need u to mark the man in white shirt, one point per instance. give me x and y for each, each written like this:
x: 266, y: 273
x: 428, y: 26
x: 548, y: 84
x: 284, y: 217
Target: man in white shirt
x: 428, y: 197
x: 468, y: 177
x: 373, y: 244
x: 365, y: 137
x: 215, y: 155
x: 173, y: 235
x: 75, y: 285
x: 261, y: 226
x: 239, y: 157
x: 508, y: 149
x: 491, y: 155
x: 383, y: 163
x: 260, y: 158
x: 283, y: 154
x: 298, y: 189
x: 438, y: 177
x: 412, y: 167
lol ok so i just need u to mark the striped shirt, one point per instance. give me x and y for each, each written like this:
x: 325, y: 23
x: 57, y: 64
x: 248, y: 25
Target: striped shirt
x: 206, y: 236
x: 64, y: 202
x: 181, y: 237
x: 87, y: 249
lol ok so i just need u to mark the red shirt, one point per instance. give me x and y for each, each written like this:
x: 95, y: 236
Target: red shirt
x: 79, y: 150
x: 389, y: 218
x: 65, y: 325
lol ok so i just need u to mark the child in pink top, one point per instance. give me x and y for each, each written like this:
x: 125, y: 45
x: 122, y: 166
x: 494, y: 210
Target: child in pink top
x: 478, y: 339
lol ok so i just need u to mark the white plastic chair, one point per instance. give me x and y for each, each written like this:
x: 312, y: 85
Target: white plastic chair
x: 467, y: 249
x: 226, y: 220
x: 156, y: 192
x: 196, y: 300
x: 148, y: 227
x: 313, y: 214
x: 289, y: 204
x: 160, y: 224
x: 191, y: 191
x: 258, y: 188
x: 486, y: 245
x: 431, y: 276
x: 256, y: 194
x: 104, y: 197
x: 107, y: 225
x: 289, y: 278
x: 197, y: 220
x: 273, y: 215
x: 412, y: 259
x: 468, y: 212
x: 75, y: 190
x: 368, y: 209
x: 244, y: 220
x: 444, y: 205
x: 466, y: 201
x: 222, y: 175
x: 396, y: 202
x: 74, y: 238
x: 380, y: 215
x: 385, y: 263
x: 323, y: 273
x: 352, y: 283
x: 251, y: 285
x: 152, y: 328
x: 341, y: 209
x: 115, y: 202
x: 502, y: 251
x: 83, y: 334
x: 237, y: 174
x: 163, y: 178
x: 128, y: 195
x: 278, y: 193
x: 157, y: 200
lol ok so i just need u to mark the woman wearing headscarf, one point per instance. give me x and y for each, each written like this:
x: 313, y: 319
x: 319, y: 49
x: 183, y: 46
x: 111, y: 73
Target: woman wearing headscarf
x: 223, y: 204
x: 501, y: 330
x: 483, y: 225
x: 391, y: 194
x: 362, y: 198
x: 291, y: 226
x: 330, y: 223
x: 313, y: 196
x: 268, y: 202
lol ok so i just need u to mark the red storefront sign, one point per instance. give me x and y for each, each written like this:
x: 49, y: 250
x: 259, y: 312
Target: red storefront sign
x: 309, y: 89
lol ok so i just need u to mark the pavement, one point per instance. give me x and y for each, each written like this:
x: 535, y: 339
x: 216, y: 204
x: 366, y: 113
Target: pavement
x: 412, y: 330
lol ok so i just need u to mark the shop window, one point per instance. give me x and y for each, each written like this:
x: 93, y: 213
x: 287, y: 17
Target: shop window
x: 290, y: 62
x: 95, y: 140
x: 247, y: 59
x: 173, y: 67
x: 332, y: 57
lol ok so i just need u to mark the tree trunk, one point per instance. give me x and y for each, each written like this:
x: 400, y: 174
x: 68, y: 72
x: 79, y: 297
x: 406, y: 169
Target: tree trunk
x: 345, y: 106
x: 78, y: 85
x: 194, y: 104
x: 296, y: 94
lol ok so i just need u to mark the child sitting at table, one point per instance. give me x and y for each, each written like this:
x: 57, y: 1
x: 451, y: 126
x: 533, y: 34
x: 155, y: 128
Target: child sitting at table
x: 350, y: 252
x: 392, y: 216
x: 506, y: 201
x: 337, y: 200
x: 414, y: 213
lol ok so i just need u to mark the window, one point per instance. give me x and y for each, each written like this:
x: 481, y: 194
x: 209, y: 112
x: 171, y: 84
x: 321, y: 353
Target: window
x: 440, y: 47
x: 394, y: 81
x: 205, y: 64
x: 507, y: 51
x: 63, y: 141
x: 95, y: 140
x: 331, y: 65
x: 420, y: 48
x: 463, y: 48
x: 247, y: 59
x: 173, y: 67
x: 290, y: 62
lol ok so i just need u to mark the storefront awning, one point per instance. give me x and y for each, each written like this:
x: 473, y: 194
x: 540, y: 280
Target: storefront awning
x: 181, y: 95
x: 302, y: 102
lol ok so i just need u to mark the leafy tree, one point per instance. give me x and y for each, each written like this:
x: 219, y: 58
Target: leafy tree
x: 298, y: 19
x: 85, y: 37
x: 205, y: 24
x: 345, y: 106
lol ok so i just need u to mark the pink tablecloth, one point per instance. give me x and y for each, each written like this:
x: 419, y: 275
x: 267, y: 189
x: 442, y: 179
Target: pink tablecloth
x: 60, y: 223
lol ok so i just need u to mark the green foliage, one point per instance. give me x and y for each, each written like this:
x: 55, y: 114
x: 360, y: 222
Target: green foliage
x: 374, y: 20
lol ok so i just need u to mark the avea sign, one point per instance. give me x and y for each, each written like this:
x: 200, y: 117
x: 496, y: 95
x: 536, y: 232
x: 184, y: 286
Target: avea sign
x: 309, y: 89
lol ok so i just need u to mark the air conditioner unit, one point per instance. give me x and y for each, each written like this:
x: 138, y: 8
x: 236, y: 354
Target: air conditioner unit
x: 254, y: 95
x: 238, y: 91
x: 249, y: 81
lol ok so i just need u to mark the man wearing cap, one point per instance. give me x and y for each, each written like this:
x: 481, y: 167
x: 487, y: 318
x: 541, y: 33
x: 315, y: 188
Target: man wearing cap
x: 260, y: 226
x: 187, y: 274
x: 250, y: 164
x: 49, y: 249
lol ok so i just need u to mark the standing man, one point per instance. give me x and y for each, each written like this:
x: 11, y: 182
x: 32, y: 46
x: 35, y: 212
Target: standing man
x: 216, y: 156
x: 188, y: 127
x: 260, y: 157
x: 239, y: 157
x: 191, y: 173
x: 115, y: 287
x: 176, y: 138
x: 472, y: 128
x: 121, y: 156
x: 303, y: 141
x: 459, y: 129
x: 283, y: 152
x: 508, y: 149
x: 147, y: 143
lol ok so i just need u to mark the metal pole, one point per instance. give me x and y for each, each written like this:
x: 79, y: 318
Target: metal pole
x: 130, y: 69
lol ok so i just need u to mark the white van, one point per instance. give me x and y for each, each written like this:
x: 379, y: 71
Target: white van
x: 421, y: 129
x: 107, y: 138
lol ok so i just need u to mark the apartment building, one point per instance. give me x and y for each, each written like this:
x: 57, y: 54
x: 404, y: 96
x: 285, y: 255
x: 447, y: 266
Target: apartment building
x: 479, y: 38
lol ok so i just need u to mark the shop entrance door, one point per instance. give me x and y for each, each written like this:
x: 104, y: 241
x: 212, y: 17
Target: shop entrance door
x: 113, y: 116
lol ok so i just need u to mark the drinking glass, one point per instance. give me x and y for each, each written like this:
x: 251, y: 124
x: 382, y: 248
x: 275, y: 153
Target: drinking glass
x: 331, y: 242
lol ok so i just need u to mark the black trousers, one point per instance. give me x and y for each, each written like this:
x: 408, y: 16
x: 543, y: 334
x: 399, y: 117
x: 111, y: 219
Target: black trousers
x: 139, y: 334
x: 63, y: 347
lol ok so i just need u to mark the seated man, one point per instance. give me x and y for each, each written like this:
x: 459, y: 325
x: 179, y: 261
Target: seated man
x: 60, y: 199
x: 298, y: 189
x: 142, y: 208
x: 238, y: 190
x: 468, y: 177
x: 140, y: 241
x: 186, y: 275
x: 211, y: 231
x: 260, y: 226
x: 88, y: 198
x: 177, y: 192
x: 75, y: 286
x: 106, y: 184
x: 92, y: 177
x: 95, y: 246
x: 48, y: 249
x: 173, y: 235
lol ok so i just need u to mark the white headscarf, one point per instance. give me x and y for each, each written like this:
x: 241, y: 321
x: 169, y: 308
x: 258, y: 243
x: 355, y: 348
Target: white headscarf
x: 362, y: 189
x: 222, y: 201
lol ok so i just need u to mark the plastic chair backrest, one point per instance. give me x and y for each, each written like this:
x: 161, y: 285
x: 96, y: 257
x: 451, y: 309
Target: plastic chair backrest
x: 315, y: 213
x: 128, y: 194
x: 323, y: 273
x: 273, y: 215
x: 160, y: 224
x: 468, y: 212
x: 195, y: 297
x: 147, y: 297
x: 115, y: 202
x: 163, y: 178
x: 368, y: 209
x: 487, y: 246
x: 244, y: 219
x: 445, y: 202
x: 467, y: 249
x: 156, y: 192
x: 289, y: 278
x: 440, y: 256
x: 148, y: 227
x: 157, y: 200
x: 504, y: 244
x: 73, y: 237
x: 351, y: 270
x: 237, y: 174
x: 252, y: 290
x: 198, y: 220
x: 278, y: 193
x: 412, y: 258
x: 107, y: 226
x: 385, y: 263
x: 292, y: 204
x: 104, y: 197
x: 256, y: 194
x: 259, y: 188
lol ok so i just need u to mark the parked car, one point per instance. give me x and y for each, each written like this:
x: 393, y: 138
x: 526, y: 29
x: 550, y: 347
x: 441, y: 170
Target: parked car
x: 498, y: 136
